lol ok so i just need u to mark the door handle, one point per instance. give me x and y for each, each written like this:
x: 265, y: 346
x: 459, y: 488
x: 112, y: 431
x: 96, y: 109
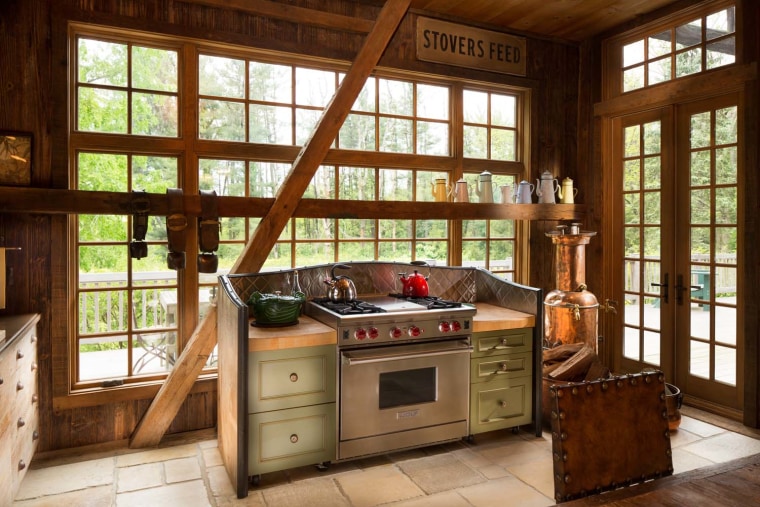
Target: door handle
x: 680, y: 288
x: 664, y: 286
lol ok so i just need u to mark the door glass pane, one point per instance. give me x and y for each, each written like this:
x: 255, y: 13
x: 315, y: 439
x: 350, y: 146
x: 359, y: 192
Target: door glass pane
x: 700, y: 359
x: 713, y: 246
x: 642, y: 237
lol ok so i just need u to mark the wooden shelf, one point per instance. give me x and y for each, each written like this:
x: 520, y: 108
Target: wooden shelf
x: 61, y: 201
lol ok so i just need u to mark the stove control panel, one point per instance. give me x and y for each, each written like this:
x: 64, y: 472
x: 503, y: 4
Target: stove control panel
x: 380, y: 332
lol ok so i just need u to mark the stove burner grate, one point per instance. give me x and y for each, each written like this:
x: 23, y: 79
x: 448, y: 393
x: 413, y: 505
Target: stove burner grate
x: 430, y: 302
x: 348, y: 307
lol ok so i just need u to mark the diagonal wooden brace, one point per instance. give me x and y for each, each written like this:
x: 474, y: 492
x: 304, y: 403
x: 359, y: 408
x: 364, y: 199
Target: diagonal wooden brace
x: 173, y: 392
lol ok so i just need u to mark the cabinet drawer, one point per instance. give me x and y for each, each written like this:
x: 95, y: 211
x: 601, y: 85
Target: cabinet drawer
x: 506, y: 365
x: 24, y: 444
x: 500, y: 403
x: 291, y: 378
x: 501, y: 342
x: 291, y: 438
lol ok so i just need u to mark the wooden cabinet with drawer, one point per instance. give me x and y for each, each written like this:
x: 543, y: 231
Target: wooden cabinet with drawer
x: 291, y: 407
x: 501, y: 375
x: 19, y: 413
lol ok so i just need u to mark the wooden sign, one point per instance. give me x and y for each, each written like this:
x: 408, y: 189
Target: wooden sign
x: 464, y: 46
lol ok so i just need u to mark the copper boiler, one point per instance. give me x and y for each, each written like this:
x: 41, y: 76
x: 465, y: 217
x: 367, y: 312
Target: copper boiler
x: 571, y: 312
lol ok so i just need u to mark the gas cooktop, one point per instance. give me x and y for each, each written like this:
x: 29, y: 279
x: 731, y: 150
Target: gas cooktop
x: 395, y: 317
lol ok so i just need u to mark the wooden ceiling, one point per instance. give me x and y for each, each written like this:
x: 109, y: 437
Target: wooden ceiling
x: 573, y: 20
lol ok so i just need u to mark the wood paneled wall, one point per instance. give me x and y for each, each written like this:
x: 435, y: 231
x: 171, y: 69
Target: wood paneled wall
x: 33, y: 98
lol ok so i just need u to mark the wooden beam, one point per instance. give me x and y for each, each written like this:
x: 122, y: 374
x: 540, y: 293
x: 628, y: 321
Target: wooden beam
x: 314, y: 151
x: 56, y: 201
x: 300, y: 15
x: 172, y: 394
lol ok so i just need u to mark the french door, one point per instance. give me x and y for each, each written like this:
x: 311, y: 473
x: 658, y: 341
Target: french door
x: 676, y: 233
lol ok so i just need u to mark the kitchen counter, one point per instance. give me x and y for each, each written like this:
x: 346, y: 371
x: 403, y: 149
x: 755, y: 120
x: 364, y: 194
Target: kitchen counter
x: 496, y: 318
x: 309, y: 332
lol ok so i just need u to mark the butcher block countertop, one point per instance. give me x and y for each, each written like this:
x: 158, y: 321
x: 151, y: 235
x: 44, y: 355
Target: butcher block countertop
x: 497, y: 318
x: 309, y: 332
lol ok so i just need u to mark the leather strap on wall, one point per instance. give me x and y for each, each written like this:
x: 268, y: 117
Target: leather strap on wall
x: 208, y: 232
x: 176, y: 229
x: 140, y: 208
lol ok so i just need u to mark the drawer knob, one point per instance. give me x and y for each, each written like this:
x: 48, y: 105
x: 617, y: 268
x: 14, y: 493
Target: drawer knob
x: 502, y: 366
x: 293, y: 438
x: 35, y: 398
x: 1, y: 381
x: 35, y: 435
x: 19, y: 354
x: 294, y: 377
x: 503, y: 404
x: 34, y: 365
x: 20, y: 423
x: 21, y: 464
x: 19, y: 386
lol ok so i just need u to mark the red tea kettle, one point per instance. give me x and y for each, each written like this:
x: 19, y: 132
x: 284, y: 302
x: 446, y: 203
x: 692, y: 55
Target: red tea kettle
x: 415, y: 285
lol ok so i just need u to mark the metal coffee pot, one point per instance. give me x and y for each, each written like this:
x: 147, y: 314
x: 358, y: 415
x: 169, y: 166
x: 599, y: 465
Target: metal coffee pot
x: 524, y: 189
x: 507, y: 196
x: 545, y: 187
x: 566, y: 192
x: 461, y: 191
x: 341, y: 288
x: 484, y: 189
x: 440, y: 190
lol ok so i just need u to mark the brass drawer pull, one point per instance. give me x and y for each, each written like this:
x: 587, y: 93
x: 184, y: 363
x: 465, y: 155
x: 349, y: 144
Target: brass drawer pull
x: 293, y: 438
x: 35, y: 398
x: 19, y: 354
x: 19, y: 386
x: 35, y: 435
x: 1, y: 381
x: 294, y: 377
x: 20, y: 423
x: 503, y: 404
x: 34, y: 365
x: 21, y: 464
x: 503, y: 367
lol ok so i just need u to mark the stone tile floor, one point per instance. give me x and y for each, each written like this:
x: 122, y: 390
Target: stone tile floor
x: 498, y: 469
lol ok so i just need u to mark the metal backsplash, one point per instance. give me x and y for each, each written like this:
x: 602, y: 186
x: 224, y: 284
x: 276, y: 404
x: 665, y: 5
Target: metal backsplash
x: 374, y: 278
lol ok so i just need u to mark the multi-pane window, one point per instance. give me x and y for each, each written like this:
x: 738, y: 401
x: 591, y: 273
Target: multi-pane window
x: 124, y: 88
x: 700, y: 44
x: 259, y: 102
x: 132, y: 130
x: 126, y: 306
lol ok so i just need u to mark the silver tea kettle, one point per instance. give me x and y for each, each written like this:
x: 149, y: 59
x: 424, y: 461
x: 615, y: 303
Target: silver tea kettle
x: 341, y: 288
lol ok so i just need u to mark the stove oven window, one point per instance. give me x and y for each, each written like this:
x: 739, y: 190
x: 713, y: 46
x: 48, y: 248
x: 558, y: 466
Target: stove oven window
x: 408, y: 387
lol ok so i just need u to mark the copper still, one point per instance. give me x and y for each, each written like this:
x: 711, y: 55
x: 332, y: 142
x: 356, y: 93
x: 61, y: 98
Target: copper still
x: 571, y: 313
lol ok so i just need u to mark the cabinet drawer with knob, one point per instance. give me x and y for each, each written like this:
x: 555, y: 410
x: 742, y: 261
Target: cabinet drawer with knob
x: 291, y: 378
x: 502, y: 342
x: 506, y: 365
x: 502, y: 403
x: 291, y: 438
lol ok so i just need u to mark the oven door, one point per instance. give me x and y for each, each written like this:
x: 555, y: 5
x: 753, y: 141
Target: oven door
x: 403, y: 387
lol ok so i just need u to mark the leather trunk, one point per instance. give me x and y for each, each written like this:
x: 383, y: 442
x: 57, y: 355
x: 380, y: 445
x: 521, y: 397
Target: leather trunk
x: 609, y: 433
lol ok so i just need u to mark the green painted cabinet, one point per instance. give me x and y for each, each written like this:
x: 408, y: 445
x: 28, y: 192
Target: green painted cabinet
x: 501, y: 380
x: 291, y: 408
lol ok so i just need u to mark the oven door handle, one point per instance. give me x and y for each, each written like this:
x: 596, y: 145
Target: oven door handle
x: 348, y: 360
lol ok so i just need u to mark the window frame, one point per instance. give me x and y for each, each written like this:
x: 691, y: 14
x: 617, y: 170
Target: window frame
x: 189, y: 148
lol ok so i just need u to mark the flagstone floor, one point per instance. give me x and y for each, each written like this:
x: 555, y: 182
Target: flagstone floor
x: 497, y: 469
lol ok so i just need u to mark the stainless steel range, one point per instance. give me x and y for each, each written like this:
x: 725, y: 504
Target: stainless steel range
x: 404, y: 371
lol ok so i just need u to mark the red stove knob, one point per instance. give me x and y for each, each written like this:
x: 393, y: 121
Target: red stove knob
x: 360, y: 333
x: 455, y: 325
x: 414, y: 331
x: 444, y: 327
x: 395, y: 332
x: 373, y: 333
